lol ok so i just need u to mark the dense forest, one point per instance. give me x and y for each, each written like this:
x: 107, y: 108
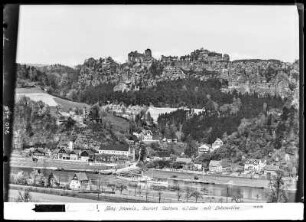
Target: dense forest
x: 213, y: 122
x: 177, y: 93
x: 38, y: 125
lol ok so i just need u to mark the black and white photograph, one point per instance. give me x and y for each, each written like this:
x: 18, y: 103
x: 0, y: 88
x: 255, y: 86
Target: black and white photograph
x: 163, y: 104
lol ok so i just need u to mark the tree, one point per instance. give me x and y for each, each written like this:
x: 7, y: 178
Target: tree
x: 24, y: 196
x: 139, y: 191
x: 72, y: 95
x: 178, y: 192
x: 112, y: 186
x: 188, y: 193
x: 147, y: 192
x: 133, y: 185
x: 21, y: 178
x: 121, y: 187
x: 159, y: 193
x: 277, y: 188
x: 69, y: 124
x: 142, y: 153
x: 196, y: 194
x: 94, y: 113
x: 237, y: 198
x: 192, y: 148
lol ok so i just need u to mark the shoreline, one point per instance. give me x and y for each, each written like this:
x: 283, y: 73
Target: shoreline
x: 117, y: 198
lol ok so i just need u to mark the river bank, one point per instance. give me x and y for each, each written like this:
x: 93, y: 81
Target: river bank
x: 44, y: 197
x: 211, y: 179
x: 59, y: 194
x: 23, y: 162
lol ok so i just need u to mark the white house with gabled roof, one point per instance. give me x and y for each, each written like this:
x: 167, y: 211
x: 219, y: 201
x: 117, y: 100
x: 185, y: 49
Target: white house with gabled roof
x: 217, y: 144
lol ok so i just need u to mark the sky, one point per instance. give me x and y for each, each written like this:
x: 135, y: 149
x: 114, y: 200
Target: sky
x: 69, y: 34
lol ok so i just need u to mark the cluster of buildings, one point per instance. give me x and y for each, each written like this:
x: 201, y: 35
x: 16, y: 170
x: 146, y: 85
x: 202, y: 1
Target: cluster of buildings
x: 207, y: 148
x: 254, y: 168
x: 67, y: 150
x: 105, y: 153
x: 127, y: 112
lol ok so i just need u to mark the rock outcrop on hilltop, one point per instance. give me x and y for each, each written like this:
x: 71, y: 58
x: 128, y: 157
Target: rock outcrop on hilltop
x: 143, y: 71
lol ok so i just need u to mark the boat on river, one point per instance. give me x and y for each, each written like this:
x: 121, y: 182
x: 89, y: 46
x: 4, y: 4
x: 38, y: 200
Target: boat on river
x: 139, y: 178
x: 106, y: 172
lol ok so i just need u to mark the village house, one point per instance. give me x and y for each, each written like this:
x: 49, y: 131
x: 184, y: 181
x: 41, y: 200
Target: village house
x: 147, y: 135
x: 197, y: 165
x: 39, y: 153
x: 115, y: 149
x: 87, y: 155
x: 254, y: 166
x: 204, y: 148
x: 163, y: 155
x: 63, y: 154
x: 237, y: 168
x: 100, y: 158
x: 156, y: 158
x: 270, y: 171
x: 79, y: 181
x: 217, y: 144
x: 215, y: 166
x: 75, y: 154
x: 187, y: 162
x: 226, y: 166
x: 58, y: 179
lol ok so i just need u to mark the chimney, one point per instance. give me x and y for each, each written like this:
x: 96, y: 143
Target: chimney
x: 70, y: 145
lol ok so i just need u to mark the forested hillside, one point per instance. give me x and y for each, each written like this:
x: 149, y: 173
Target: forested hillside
x: 251, y: 105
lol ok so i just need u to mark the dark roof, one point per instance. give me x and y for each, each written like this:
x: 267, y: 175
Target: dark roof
x: 63, y: 150
x: 81, y: 176
x: 75, y: 151
x: 89, y: 152
x: 117, y: 147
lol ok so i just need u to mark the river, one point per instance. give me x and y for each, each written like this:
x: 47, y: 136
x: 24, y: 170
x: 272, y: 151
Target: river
x: 258, y: 194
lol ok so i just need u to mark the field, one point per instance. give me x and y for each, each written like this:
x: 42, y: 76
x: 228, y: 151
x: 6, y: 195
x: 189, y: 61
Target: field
x: 156, y: 111
x: 119, y: 124
x: 37, y: 94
